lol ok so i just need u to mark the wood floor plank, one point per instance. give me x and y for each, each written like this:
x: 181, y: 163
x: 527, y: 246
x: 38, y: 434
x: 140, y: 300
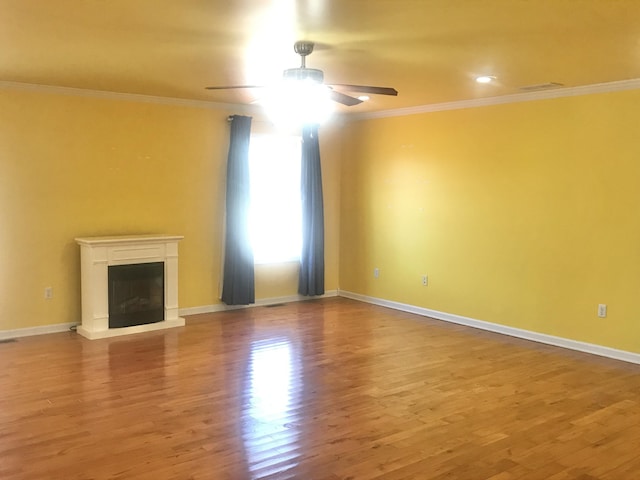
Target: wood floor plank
x: 324, y: 390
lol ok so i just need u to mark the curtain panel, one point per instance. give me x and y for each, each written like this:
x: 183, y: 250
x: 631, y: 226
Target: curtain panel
x: 311, y: 279
x: 238, y: 283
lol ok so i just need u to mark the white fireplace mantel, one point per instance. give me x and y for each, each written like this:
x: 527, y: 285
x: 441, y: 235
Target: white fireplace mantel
x: 98, y: 253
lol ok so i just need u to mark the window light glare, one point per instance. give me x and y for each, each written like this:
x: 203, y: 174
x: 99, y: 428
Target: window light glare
x: 275, y: 215
x: 485, y: 79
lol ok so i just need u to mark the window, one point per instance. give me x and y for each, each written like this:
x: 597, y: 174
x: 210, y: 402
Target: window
x: 275, y: 214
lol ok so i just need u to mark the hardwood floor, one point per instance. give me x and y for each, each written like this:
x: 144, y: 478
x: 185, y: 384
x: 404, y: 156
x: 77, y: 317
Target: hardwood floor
x: 324, y: 389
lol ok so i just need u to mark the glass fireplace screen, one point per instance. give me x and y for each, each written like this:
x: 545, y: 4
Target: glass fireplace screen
x: 136, y: 294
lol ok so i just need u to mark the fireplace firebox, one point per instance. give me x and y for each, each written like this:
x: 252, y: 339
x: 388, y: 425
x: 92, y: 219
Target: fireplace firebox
x: 136, y: 294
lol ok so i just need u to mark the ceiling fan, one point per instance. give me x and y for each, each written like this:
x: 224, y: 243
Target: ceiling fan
x: 314, y: 76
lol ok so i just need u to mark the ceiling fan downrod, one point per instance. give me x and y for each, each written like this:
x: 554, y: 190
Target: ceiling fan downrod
x: 303, y: 73
x: 303, y: 49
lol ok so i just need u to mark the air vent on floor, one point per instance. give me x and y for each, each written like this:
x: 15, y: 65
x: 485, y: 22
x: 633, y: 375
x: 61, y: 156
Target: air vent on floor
x: 275, y: 305
x: 541, y: 86
x: 8, y: 340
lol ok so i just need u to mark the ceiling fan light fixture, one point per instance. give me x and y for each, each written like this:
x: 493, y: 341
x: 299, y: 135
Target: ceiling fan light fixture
x: 364, y: 98
x: 297, y: 103
x: 303, y: 75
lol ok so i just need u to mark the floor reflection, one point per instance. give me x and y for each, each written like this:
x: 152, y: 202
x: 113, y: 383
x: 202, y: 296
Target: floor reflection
x: 270, y: 431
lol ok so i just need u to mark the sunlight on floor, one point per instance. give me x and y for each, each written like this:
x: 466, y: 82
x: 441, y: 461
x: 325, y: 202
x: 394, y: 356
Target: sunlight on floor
x: 270, y: 434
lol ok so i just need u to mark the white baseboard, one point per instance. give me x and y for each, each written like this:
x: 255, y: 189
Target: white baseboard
x: 425, y: 312
x: 221, y: 307
x: 27, y: 332
x: 64, y: 327
x: 503, y: 329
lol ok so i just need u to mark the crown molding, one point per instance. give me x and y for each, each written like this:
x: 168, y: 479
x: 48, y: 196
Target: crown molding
x: 131, y: 97
x: 618, y: 86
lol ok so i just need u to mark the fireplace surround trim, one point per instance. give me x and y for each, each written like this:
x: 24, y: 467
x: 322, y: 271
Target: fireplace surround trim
x: 98, y: 253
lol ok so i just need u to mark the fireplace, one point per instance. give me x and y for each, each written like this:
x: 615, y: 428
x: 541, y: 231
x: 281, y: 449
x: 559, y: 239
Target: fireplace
x: 129, y: 284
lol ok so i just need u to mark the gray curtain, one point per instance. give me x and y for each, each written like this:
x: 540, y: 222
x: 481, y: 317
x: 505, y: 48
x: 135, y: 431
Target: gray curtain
x: 238, y: 286
x: 311, y: 280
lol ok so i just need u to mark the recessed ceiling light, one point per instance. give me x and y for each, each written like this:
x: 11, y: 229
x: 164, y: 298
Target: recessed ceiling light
x: 485, y: 79
x: 364, y: 98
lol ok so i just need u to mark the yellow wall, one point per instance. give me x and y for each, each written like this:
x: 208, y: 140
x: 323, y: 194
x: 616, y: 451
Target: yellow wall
x: 521, y: 214
x: 81, y: 166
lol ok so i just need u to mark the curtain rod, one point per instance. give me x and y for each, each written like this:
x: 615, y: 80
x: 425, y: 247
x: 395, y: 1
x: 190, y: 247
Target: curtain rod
x: 230, y: 117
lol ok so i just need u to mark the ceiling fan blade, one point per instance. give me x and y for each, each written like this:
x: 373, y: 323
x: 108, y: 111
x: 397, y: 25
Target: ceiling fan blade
x: 368, y: 89
x: 343, y: 99
x: 230, y: 87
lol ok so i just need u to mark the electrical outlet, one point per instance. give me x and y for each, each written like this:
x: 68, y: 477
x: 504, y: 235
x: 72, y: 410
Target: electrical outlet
x: 48, y: 293
x: 602, y: 310
x: 425, y: 280
x: 376, y: 272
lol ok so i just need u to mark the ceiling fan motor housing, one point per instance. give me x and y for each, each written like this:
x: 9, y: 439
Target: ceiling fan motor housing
x: 303, y: 48
x: 304, y: 75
